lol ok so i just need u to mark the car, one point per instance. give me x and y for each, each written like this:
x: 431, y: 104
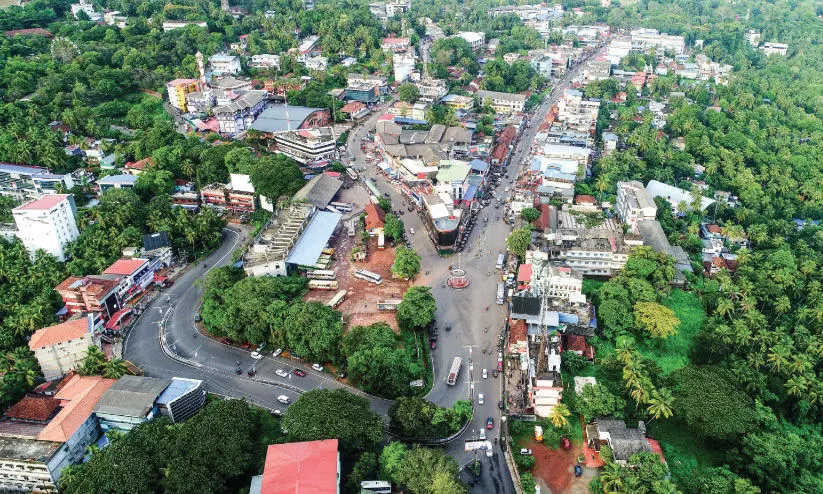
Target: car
x: 261, y: 347
x: 485, y: 373
x: 448, y: 328
x: 197, y: 317
x: 433, y: 345
x: 317, y: 367
x: 277, y: 413
x: 578, y: 471
x: 482, y: 434
x: 499, y: 355
x: 500, y: 404
x: 238, y: 370
x: 500, y: 366
x: 284, y: 399
x: 525, y: 451
x: 506, y: 189
x: 386, y: 194
x: 246, y: 345
x: 342, y: 375
x: 252, y: 372
x: 277, y: 352
x: 256, y: 355
x: 432, y: 338
x: 281, y: 373
x: 494, y: 373
x: 411, y: 230
x: 490, y: 423
x: 225, y: 341
x: 299, y: 373
x: 480, y: 399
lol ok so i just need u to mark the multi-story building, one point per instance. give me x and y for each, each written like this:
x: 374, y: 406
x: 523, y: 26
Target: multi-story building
x: 178, y: 89
x: 753, y: 37
x: 409, y: 113
x: 225, y: 64
x: 317, y: 63
x: 47, y: 224
x: 116, y: 182
x: 382, y: 82
x: 30, y: 182
x: 238, y: 115
x: 644, y: 40
x: 502, y: 102
x: 476, y: 40
x: 634, y: 203
x: 61, y: 348
x: 458, y: 101
x: 403, y: 66
x: 432, y: 90
x: 307, y: 45
x: 172, y: 25
x: 133, y: 275
x: 214, y: 196
x: 308, y: 145
x: 363, y: 91
x: 86, y: 8
x: 771, y: 48
x: 309, y: 466
x: 396, y: 45
x: 578, y: 113
x: 95, y: 294
x: 265, y: 61
x: 597, y: 70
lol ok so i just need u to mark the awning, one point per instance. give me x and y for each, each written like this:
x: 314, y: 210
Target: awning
x: 114, y: 322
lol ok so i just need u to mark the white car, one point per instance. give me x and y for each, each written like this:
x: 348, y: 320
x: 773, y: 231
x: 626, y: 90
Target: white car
x: 284, y: 399
x: 317, y: 367
x: 411, y: 230
x: 256, y: 355
x: 485, y: 374
x: 506, y: 189
x: 277, y: 352
x: 482, y: 433
x: 277, y: 413
x: 480, y: 399
x: 281, y: 373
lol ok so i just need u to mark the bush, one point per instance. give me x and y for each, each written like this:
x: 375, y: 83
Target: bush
x: 527, y: 483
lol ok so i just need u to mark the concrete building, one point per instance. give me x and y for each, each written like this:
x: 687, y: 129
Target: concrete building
x: 454, y: 173
x: 308, y: 146
x: 458, y: 102
x: 172, y: 25
x: 403, y: 67
x: 116, y: 182
x: 675, y: 196
x: 634, y: 203
x: 61, y: 348
x: 87, y: 8
x: 225, y: 64
x: 578, y: 113
x: 395, y: 45
x: 597, y: 70
x: 47, y: 224
x: 771, y: 48
x: 133, y: 400
x: 317, y: 63
x: 432, y: 90
x: 30, y: 182
x: 408, y: 113
x: 363, y: 91
x: 300, y: 468
x: 265, y: 61
x: 502, y: 102
x: 644, y: 40
x: 623, y: 441
x: 96, y: 294
x: 237, y: 116
x: 177, y: 91
x: 133, y: 275
x: 753, y: 37
x: 476, y: 40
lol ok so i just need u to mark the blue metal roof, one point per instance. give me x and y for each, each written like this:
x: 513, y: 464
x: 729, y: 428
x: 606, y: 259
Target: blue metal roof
x: 176, y: 389
x: 471, y: 190
x: 307, y: 250
x: 478, y: 165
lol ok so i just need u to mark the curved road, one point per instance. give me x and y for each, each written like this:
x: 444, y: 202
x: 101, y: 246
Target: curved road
x: 198, y: 357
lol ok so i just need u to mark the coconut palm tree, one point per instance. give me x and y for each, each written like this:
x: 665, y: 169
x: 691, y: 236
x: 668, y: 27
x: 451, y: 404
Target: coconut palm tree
x: 559, y: 414
x: 610, y: 479
x: 796, y: 386
x: 114, y: 368
x: 660, y: 403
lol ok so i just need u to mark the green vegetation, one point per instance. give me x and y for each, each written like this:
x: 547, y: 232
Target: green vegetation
x: 406, y: 262
x: 417, y: 309
x: 518, y: 241
x: 414, y: 417
x: 420, y: 470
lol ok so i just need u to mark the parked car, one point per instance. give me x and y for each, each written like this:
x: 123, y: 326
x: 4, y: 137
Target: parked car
x: 277, y: 413
x: 238, y: 370
x: 433, y: 345
x: 480, y: 399
x: 277, y: 352
x: 499, y: 366
x: 578, y: 471
x: 252, y: 372
x: 256, y: 355
x: 281, y: 373
x: 284, y: 399
x: 225, y: 341
x: 485, y: 374
x: 494, y: 372
x: 500, y: 404
x: 317, y: 367
x: 525, y: 451
x: 299, y: 373
x: 482, y: 434
x: 564, y: 441
x: 261, y: 347
x: 490, y: 423
x: 197, y: 317
x: 411, y: 230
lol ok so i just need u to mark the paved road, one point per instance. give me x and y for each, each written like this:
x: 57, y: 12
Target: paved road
x: 464, y: 310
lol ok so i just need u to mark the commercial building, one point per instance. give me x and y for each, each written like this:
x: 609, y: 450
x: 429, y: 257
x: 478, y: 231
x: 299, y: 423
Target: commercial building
x: 225, y: 64
x: 403, y: 65
x: 645, y: 40
x: 408, y: 113
x: 395, y: 45
x: 96, y: 294
x: 476, y: 40
x: 771, y: 48
x: 61, y: 348
x: 283, y: 118
x: 133, y: 400
x: 363, y: 91
x: 597, y: 70
x: 30, y: 182
x: 309, y: 467
x: 458, y: 102
x: 432, y: 90
x: 675, y: 196
x: 578, y: 113
x: 382, y: 82
x: 502, y: 102
x: 177, y: 91
x: 308, y: 146
x: 238, y: 115
x: 265, y: 61
x: 634, y: 203
x: 116, y: 182
x: 47, y: 224
x: 133, y: 275
x: 319, y: 191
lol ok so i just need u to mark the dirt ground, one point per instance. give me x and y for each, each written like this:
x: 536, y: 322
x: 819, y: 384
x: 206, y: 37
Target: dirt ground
x: 554, y: 469
x: 360, y: 306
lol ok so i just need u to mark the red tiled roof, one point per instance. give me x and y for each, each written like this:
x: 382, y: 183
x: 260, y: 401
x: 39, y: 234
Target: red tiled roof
x: 524, y: 273
x: 499, y: 152
x: 508, y: 134
x: 584, y: 199
x: 38, y: 31
x: 125, y: 267
x: 656, y: 449
x: 309, y: 467
x: 517, y: 331
x: 353, y: 107
x: 78, y: 396
x: 542, y: 223
x: 714, y: 229
x: 44, y: 203
x: 140, y: 165
x: 375, y: 217
x: 181, y: 82
x: 32, y: 407
x: 70, y: 330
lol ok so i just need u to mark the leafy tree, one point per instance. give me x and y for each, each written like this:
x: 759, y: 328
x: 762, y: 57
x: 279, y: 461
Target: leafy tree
x: 530, y: 214
x: 365, y: 468
x: 708, y: 400
x: 660, y: 404
x: 616, y: 317
x: 527, y: 482
x: 114, y: 368
x: 406, y: 262
x: 93, y: 362
x: 597, y: 401
x: 519, y: 241
x: 417, y: 309
x: 276, y: 176
x: 559, y: 414
x: 573, y: 362
x: 391, y: 460
x: 428, y: 471
x: 313, y: 331
x: 325, y: 414
x: 657, y: 320
x: 393, y: 227
x: 408, y: 93
x: 382, y: 371
x: 719, y: 480
x: 375, y: 335
x: 655, y: 267
x: 412, y: 417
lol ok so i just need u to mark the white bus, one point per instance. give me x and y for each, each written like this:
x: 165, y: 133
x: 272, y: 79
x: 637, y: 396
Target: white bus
x: 338, y: 298
x: 376, y: 486
x: 351, y: 173
x: 454, y: 371
x: 341, y: 206
x: 321, y: 274
x: 322, y: 285
x: 388, y: 304
x: 332, y: 209
x: 368, y: 276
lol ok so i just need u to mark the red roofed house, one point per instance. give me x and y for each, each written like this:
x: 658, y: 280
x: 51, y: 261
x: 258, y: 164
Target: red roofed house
x: 134, y: 275
x: 309, y: 467
x: 577, y: 344
x: 36, y: 444
x: 355, y: 110
x: 137, y: 167
x: 499, y: 154
x: 524, y: 274
x: 396, y: 45
x: 375, y: 219
x: 61, y: 348
x: 35, y: 31
x: 518, y: 337
x: 90, y: 294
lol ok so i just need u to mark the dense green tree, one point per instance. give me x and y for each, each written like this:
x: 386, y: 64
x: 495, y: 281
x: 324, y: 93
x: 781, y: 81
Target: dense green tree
x: 708, y: 400
x: 406, y: 262
x: 408, y: 93
x: 276, y: 176
x: 428, y: 471
x: 597, y: 401
x: 393, y: 227
x: 417, y: 309
x: 657, y: 320
x: 313, y: 331
x: 530, y: 214
x: 518, y: 241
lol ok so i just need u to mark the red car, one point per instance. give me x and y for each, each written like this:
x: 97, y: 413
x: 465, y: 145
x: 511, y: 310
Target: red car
x: 499, y: 366
x: 490, y: 423
x: 433, y: 345
x: 298, y: 372
x: 225, y: 341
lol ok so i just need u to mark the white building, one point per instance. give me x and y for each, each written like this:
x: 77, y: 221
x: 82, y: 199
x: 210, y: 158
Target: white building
x: 577, y: 112
x: 307, y: 145
x: 88, y: 9
x: 172, y: 25
x: 675, y: 195
x: 238, y: 115
x: 770, y: 48
x: 47, y: 223
x: 634, y: 203
x: 403, y: 67
x: 644, y: 40
x: 476, y: 40
x: 317, y: 63
x: 753, y: 37
x: 61, y: 348
x: 265, y: 61
x: 502, y: 102
x: 225, y: 64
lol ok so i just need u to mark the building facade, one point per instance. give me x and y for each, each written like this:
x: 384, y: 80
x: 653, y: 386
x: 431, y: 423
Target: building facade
x: 61, y: 348
x: 502, y: 102
x: 47, y: 224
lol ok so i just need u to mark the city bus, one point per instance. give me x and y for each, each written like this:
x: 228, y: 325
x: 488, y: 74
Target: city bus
x: 368, y: 276
x: 351, y: 173
x: 454, y: 371
x: 321, y: 274
x: 388, y: 304
x: 375, y: 486
x: 344, y: 207
x: 338, y: 298
x: 322, y: 285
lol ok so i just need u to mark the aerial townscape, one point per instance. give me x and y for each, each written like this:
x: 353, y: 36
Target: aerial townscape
x: 411, y: 246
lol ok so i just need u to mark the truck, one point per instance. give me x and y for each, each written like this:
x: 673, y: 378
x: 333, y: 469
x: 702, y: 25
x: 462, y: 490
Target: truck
x: 454, y: 371
x: 501, y: 293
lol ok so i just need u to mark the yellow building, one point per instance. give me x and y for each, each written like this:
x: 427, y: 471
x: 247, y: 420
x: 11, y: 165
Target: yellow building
x: 178, y: 89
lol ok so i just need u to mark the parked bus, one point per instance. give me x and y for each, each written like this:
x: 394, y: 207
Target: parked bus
x: 388, y: 304
x: 338, y: 298
x: 368, y: 276
x: 328, y: 251
x: 321, y: 274
x: 322, y: 285
x: 332, y: 209
x: 381, y: 240
x: 454, y: 371
x: 376, y: 486
x: 341, y: 206
x: 501, y: 293
x: 351, y: 173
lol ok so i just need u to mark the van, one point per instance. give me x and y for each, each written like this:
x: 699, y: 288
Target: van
x: 501, y: 260
x: 284, y: 399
